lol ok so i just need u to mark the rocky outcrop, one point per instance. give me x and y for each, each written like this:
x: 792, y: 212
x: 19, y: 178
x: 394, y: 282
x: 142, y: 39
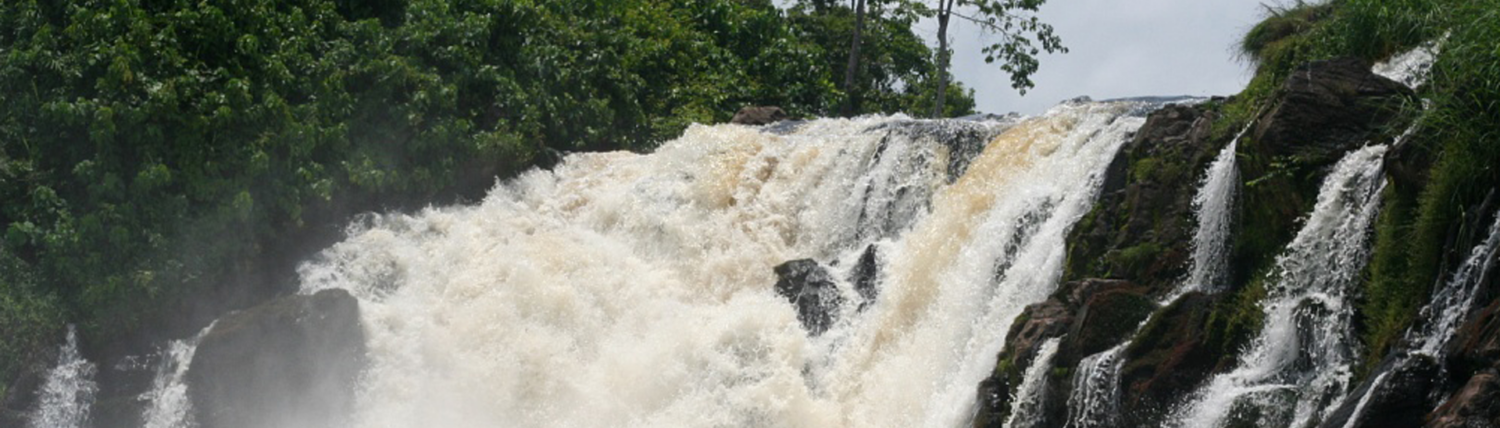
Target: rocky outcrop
x: 290, y: 362
x: 759, y: 115
x: 1171, y: 355
x: 1091, y: 315
x: 1141, y: 228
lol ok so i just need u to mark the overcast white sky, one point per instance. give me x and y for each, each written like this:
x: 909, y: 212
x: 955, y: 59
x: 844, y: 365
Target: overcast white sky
x: 1118, y: 48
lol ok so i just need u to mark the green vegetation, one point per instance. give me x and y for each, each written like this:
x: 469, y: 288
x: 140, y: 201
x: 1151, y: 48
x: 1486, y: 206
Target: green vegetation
x: 152, y: 151
x: 1455, y: 143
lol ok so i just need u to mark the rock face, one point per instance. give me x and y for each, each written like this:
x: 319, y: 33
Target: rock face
x: 1101, y: 313
x: 291, y: 362
x: 759, y: 115
x: 810, y: 289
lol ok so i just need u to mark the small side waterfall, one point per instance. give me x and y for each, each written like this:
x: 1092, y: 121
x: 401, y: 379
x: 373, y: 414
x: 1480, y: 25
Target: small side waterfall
x: 167, y: 404
x: 1026, y: 406
x: 1095, y: 398
x: 68, y: 391
x: 1214, y: 208
x: 1439, y: 320
x: 1300, y: 365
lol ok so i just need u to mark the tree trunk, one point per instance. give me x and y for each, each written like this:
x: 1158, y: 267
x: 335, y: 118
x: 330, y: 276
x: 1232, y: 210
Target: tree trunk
x: 851, y: 72
x: 945, y: 10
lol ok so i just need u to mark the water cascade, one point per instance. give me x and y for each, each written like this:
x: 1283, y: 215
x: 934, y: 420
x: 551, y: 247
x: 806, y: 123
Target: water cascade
x: 637, y: 289
x: 1095, y: 397
x: 1300, y: 365
x: 68, y: 391
x: 1439, y: 320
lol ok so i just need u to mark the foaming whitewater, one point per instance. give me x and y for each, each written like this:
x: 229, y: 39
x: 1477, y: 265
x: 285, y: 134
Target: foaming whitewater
x: 1030, y: 397
x: 636, y: 290
x: 1300, y: 365
x: 68, y: 391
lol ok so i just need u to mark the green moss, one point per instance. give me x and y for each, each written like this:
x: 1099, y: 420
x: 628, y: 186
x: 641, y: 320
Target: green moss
x: 1128, y: 261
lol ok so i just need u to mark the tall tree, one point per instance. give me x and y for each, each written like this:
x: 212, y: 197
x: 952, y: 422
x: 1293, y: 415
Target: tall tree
x: 1022, y: 36
x: 852, y: 69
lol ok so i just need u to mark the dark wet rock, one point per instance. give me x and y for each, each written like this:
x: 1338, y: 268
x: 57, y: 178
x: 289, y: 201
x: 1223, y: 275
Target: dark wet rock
x: 1476, y: 404
x: 1476, y: 345
x: 866, y: 274
x: 290, y: 362
x: 1141, y: 227
x: 1401, y: 398
x: 1327, y: 108
x: 759, y: 115
x: 1169, y: 357
x: 965, y: 140
x: 812, y: 291
x: 117, y: 412
x: 1075, y: 307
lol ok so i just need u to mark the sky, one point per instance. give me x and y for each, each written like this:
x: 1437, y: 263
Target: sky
x: 1117, y: 48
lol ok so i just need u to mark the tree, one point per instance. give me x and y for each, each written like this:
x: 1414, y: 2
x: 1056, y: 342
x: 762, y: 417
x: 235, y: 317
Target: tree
x: 851, y: 70
x: 1015, y: 22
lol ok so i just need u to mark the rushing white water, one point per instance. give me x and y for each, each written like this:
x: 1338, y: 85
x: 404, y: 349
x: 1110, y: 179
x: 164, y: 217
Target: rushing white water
x: 1095, y: 398
x: 1413, y: 67
x: 637, y: 289
x: 1214, y: 208
x: 68, y: 392
x: 1031, y: 396
x: 167, y: 404
x: 1300, y: 365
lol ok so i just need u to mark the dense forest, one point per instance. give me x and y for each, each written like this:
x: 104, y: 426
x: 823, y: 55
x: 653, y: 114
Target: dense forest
x: 157, y: 154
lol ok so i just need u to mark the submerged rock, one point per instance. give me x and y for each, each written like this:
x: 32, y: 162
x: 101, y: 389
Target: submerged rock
x: 759, y: 115
x: 289, y: 363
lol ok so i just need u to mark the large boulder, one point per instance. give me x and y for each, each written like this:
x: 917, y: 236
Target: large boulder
x: 759, y: 115
x: 288, y: 363
x: 1327, y: 108
x: 1399, y: 399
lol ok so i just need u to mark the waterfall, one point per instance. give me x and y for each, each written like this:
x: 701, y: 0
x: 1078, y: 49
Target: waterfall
x: 1030, y: 397
x: 68, y: 391
x: 167, y: 404
x: 637, y: 288
x: 1413, y: 67
x: 1300, y: 365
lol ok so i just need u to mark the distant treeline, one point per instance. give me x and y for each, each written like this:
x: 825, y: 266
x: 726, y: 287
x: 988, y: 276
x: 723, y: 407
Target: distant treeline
x: 154, y: 150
